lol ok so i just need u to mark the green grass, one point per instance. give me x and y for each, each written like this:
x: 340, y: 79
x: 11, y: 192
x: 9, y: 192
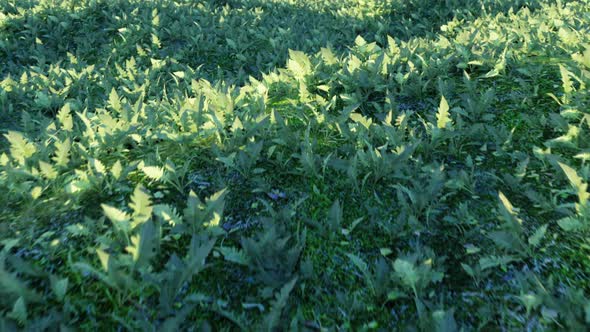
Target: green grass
x: 294, y: 165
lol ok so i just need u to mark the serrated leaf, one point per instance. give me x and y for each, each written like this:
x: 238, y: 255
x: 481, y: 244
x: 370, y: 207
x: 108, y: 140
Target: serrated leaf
x: 20, y: 148
x: 361, y: 119
x: 36, y: 192
x: 62, y: 152
x: 47, y: 170
x: 4, y: 160
x: 234, y: 255
x: 508, y: 211
x: 443, y: 117
x: 98, y: 166
x: 114, y: 101
x: 298, y: 64
x: 273, y: 319
x: 566, y: 81
x: 328, y: 56
x: 104, y: 258
x: 359, y: 41
x: 120, y: 219
x: 141, y: 204
x: 570, y: 224
x: 536, y: 238
x: 156, y: 41
x: 506, y: 240
x: 153, y: 172
x: 144, y: 244
x: 167, y: 214
x: 114, y: 214
x: 192, y: 212
x: 117, y: 170
x: 65, y: 118
x: 575, y: 180
x: 215, y: 206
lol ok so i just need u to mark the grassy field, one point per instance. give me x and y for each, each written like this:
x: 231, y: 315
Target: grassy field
x: 294, y: 165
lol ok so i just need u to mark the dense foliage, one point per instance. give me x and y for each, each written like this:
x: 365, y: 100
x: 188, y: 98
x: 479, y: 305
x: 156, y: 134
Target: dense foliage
x: 294, y: 165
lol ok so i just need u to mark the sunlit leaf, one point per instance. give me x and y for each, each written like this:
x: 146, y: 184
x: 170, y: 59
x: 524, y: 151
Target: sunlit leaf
x: 298, y: 64
x: 104, y: 259
x: 153, y: 172
x: 98, y: 166
x: 62, y: 152
x: 167, y: 214
x: 114, y: 100
x: 567, y: 83
x: 47, y: 170
x: 443, y: 117
x: 117, y: 169
x: 36, y: 192
x: 20, y: 148
x: 507, y: 210
x: 119, y: 218
x: 141, y: 204
x: 65, y: 118
x: 575, y: 180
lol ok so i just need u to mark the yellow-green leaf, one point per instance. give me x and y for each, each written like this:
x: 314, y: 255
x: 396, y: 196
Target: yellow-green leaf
x: 443, y: 117
x: 65, y: 118
x: 575, y: 180
x: 36, y: 192
x: 119, y: 218
x: 116, y: 170
x: 141, y: 205
x: 153, y: 172
x: 62, y: 152
x: 104, y: 259
x: 20, y: 148
x: 47, y: 170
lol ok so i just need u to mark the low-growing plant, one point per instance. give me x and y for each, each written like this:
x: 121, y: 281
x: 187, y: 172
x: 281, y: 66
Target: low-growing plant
x: 294, y: 165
